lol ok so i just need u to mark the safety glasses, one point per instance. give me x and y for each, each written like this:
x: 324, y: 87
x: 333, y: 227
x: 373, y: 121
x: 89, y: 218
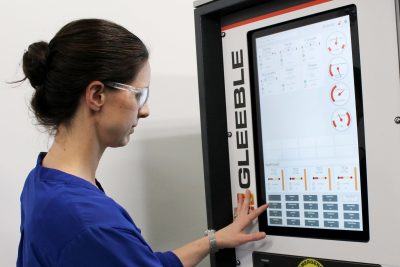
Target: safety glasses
x: 142, y: 94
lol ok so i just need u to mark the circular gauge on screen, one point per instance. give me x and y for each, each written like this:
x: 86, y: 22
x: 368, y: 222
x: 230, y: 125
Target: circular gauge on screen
x: 338, y: 68
x: 341, y: 120
x: 340, y: 94
x: 336, y: 43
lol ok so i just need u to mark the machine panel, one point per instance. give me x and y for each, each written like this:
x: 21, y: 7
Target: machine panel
x: 300, y: 103
x: 309, y: 143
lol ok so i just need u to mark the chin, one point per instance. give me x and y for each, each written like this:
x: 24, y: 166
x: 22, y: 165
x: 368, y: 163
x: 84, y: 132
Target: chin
x: 121, y: 142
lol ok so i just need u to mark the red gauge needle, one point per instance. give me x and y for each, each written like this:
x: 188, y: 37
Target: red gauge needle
x: 336, y: 41
x: 340, y: 118
x: 340, y: 93
x: 338, y: 69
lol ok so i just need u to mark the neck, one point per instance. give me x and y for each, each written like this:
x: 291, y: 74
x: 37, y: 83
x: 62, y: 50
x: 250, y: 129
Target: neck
x: 76, y: 152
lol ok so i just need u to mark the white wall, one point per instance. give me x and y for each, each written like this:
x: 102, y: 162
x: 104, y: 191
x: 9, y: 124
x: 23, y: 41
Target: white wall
x: 158, y: 177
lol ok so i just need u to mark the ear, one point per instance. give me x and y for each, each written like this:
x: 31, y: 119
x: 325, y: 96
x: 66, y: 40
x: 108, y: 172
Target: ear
x: 95, y: 95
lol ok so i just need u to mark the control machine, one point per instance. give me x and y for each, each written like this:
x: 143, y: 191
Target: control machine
x: 300, y: 103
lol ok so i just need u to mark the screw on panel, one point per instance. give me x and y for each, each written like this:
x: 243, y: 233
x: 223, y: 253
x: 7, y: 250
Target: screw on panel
x: 397, y: 120
x: 237, y: 262
x: 229, y: 134
x: 223, y: 34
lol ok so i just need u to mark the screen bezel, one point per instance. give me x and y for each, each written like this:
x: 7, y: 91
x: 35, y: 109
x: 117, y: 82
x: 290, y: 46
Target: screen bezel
x: 347, y: 235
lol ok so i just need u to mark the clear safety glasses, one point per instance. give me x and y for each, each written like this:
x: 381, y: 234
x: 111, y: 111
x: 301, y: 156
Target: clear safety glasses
x: 142, y: 94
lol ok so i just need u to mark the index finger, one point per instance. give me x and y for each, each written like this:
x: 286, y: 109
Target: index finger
x: 257, y: 212
x: 251, y: 216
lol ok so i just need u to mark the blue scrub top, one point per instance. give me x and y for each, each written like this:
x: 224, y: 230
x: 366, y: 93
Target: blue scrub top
x: 67, y: 221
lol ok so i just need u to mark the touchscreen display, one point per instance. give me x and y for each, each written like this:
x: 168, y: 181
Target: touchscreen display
x: 309, y: 113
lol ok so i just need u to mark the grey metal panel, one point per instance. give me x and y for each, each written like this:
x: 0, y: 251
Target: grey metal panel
x: 258, y: 10
x: 198, y: 3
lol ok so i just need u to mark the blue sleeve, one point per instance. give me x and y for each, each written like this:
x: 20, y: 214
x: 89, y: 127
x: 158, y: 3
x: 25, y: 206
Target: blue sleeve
x: 169, y: 259
x: 113, y: 247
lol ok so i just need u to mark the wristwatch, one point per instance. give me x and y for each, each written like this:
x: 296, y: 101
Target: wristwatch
x: 213, y: 242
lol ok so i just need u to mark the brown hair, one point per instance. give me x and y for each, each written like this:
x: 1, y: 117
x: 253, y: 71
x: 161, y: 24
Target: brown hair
x: 81, y: 52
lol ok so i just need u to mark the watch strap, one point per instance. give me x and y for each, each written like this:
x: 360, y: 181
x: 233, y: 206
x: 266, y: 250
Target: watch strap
x: 213, y: 241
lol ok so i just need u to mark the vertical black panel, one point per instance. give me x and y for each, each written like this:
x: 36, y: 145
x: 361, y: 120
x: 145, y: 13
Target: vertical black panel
x: 214, y: 130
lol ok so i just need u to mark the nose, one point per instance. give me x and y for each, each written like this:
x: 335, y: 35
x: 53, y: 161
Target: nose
x: 144, y: 111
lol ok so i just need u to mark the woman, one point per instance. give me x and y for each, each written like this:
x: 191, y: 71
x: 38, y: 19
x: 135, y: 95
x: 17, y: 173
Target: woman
x: 91, y: 86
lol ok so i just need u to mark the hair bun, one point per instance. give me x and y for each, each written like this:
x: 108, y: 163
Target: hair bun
x: 34, y: 63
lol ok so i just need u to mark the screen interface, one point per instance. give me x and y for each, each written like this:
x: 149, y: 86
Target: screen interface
x: 310, y: 137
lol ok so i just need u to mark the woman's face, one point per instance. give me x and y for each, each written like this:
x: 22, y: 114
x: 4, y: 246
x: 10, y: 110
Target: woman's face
x: 120, y: 113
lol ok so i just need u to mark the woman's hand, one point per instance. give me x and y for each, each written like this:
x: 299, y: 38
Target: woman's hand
x: 233, y: 235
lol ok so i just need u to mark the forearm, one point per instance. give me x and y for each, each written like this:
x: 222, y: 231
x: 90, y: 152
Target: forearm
x: 191, y: 254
